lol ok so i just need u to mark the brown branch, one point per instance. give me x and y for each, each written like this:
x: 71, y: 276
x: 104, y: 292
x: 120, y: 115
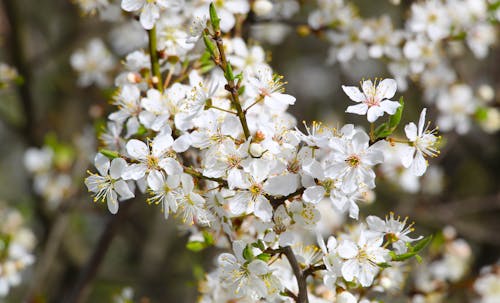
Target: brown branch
x: 275, y: 202
x: 312, y: 269
x: 301, y: 278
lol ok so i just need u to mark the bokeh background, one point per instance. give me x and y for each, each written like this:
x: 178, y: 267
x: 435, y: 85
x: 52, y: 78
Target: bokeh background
x: 144, y: 251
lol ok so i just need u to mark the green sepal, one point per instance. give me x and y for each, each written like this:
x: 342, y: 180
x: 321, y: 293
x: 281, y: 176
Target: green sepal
x: 264, y: 257
x: 214, y: 19
x: 259, y: 244
x: 247, y: 253
x: 109, y: 153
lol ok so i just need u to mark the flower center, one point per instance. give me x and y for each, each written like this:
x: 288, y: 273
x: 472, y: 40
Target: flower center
x: 353, y: 160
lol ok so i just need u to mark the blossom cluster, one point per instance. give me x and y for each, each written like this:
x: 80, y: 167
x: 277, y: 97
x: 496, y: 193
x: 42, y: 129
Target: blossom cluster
x: 206, y: 135
x: 435, y: 35
x: 16, y: 248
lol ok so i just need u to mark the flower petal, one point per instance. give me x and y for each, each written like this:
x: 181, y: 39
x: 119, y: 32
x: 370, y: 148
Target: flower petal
x: 137, y: 149
x: 354, y: 93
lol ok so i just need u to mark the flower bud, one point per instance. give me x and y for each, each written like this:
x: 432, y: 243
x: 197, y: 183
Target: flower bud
x: 262, y: 7
x: 256, y: 149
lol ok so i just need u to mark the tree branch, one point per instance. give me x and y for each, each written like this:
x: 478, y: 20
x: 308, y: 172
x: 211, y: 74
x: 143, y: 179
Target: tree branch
x: 301, y: 279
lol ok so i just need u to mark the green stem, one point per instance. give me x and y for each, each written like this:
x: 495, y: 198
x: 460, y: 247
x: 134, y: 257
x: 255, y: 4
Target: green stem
x: 231, y: 87
x: 155, y: 64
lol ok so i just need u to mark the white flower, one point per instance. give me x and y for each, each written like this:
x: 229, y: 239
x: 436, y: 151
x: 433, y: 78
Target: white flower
x: 431, y: 18
x: 262, y: 84
x: 150, y: 9
x: 374, y: 100
x: 129, y: 108
x: 352, y: 161
x: 108, y: 185
x: 362, y: 258
x: 488, y: 285
x: 456, y: 106
x: 252, y: 198
x: 93, y: 64
x: 164, y: 190
x: 393, y: 229
x: 423, y: 143
x: 155, y: 159
x: 241, y: 277
x: 192, y: 204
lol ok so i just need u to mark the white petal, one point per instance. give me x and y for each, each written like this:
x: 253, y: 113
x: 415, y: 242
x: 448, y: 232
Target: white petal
x: 134, y: 172
x: 118, y: 165
x: 182, y: 143
x: 161, y: 144
x: 258, y: 267
x: 123, y: 190
x: 132, y: 5
x: 374, y: 113
x: 314, y: 194
x: 239, y: 203
x: 390, y: 107
x: 354, y: 93
x: 421, y: 122
x: 112, y: 202
x: 281, y: 185
x: 171, y: 166
x: 150, y: 13
x: 347, y: 249
x: 411, y: 131
x: 102, y: 164
x: 263, y: 209
x: 349, y: 270
x: 155, y: 180
x: 419, y: 165
x: 359, y: 109
x: 386, y: 89
x: 406, y: 153
x: 137, y: 149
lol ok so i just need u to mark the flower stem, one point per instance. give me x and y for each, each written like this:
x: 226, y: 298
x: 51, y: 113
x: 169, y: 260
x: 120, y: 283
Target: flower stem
x: 231, y: 87
x: 155, y: 64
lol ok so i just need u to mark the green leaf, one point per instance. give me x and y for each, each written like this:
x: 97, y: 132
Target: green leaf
x: 396, y: 118
x: 481, y: 114
x: 422, y: 244
x: 214, y: 19
x: 229, y: 72
x: 209, y: 239
x: 384, y: 265
x: 387, y: 128
x: 412, y: 251
x: 195, y: 246
x: 209, y: 44
x: 382, y: 131
x: 109, y: 153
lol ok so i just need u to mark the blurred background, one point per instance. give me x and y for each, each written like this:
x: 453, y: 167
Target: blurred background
x: 79, y: 245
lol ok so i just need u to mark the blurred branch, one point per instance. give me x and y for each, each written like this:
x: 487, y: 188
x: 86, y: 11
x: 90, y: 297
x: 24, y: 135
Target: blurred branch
x: 19, y: 61
x: 89, y: 271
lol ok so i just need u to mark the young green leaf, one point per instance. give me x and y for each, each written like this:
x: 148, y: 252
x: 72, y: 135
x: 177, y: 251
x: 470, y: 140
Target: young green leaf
x: 214, y: 19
